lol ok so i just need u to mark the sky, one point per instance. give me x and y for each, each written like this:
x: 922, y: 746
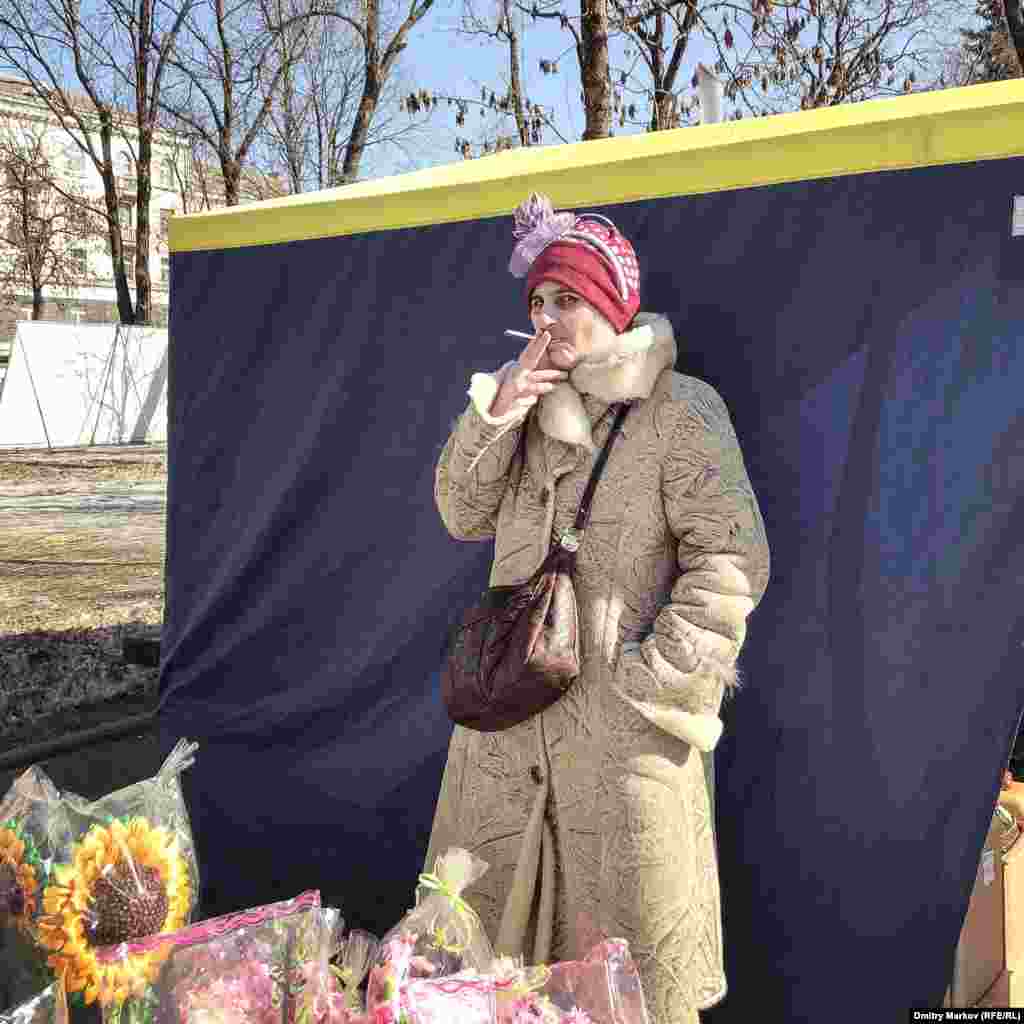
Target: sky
x: 441, y: 60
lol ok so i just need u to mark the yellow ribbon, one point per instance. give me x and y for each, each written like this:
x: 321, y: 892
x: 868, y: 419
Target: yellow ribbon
x: 459, y: 905
x: 531, y: 979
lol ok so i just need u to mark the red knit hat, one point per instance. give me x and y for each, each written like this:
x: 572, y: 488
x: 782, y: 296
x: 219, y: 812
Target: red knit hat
x: 585, y: 253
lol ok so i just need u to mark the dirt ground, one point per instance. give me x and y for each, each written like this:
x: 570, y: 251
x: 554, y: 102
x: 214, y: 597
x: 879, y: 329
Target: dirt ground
x: 81, y: 564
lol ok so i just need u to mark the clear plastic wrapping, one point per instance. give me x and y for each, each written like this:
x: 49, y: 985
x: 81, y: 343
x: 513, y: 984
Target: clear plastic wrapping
x: 447, y: 936
x: 26, y: 860
x: 358, y: 951
x: 440, y: 936
x: 49, y: 1007
x: 604, y: 988
x: 125, y: 867
x: 267, y: 965
x: 77, y: 874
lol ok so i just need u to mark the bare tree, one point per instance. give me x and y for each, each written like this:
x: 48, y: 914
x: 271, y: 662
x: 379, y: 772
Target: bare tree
x: 589, y: 31
x: 47, y: 232
x: 985, y: 51
x: 772, y: 56
x: 650, y: 87
x: 811, y: 53
x: 380, y: 60
x: 311, y: 120
x: 229, y: 63
x: 289, y: 119
x: 507, y: 116
x: 1013, y: 12
x: 118, y: 50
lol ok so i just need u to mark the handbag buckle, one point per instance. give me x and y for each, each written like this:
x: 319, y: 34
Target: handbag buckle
x: 571, y: 539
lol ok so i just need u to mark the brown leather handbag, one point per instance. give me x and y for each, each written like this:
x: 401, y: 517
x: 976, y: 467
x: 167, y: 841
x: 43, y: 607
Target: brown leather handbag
x: 516, y: 651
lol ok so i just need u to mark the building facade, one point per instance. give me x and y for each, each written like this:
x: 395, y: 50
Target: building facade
x: 178, y: 185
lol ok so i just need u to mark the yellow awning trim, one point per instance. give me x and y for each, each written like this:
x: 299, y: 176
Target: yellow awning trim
x: 951, y: 126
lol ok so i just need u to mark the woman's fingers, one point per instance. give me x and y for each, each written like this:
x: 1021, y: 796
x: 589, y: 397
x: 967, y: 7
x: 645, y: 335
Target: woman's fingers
x: 527, y: 378
x: 528, y: 384
x: 534, y: 351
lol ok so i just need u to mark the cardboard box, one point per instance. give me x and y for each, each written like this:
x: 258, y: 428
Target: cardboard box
x: 981, y: 951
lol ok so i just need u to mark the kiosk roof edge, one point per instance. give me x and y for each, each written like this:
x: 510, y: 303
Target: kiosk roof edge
x: 981, y: 122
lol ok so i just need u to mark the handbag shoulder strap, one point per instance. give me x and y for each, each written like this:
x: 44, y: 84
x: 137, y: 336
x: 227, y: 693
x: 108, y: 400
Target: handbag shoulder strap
x: 572, y: 537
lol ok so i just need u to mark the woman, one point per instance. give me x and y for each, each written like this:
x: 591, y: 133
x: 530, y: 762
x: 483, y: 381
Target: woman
x: 595, y: 816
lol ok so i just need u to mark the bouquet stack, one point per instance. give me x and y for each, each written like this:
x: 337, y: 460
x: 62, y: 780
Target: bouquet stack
x: 440, y: 936
x: 603, y: 988
x: 437, y: 967
x: 77, y: 875
x: 269, y: 965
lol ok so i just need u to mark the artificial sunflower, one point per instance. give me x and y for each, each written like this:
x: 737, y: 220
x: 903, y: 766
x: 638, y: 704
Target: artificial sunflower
x: 20, y: 875
x: 125, y: 881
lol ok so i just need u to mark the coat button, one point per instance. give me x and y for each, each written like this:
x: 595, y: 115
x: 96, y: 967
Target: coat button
x: 536, y: 775
x: 545, y: 493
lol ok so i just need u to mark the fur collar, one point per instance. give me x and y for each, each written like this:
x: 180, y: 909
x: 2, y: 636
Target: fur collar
x: 628, y: 371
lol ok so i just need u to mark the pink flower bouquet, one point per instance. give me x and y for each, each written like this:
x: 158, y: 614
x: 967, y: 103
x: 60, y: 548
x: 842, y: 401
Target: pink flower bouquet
x: 263, y: 966
x: 603, y: 988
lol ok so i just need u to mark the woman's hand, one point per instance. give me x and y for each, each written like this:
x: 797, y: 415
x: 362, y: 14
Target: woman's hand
x: 531, y: 376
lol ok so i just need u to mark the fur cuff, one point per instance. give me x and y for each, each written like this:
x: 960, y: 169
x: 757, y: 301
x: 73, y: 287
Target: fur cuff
x: 700, y: 731
x: 657, y: 698
x: 483, y: 388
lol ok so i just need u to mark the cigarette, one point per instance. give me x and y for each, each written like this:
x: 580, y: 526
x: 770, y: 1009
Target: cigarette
x: 519, y: 334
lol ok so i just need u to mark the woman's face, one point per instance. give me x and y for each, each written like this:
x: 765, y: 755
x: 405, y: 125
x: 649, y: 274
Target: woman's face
x: 577, y: 329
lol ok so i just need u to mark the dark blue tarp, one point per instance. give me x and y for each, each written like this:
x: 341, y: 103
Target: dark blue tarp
x: 865, y: 334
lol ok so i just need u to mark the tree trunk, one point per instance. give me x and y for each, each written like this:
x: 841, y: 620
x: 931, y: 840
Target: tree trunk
x: 143, y: 166
x: 37, y: 301
x: 597, y: 88
x: 232, y: 171
x: 126, y: 311
x: 143, y: 284
x: 522, y: 120
x: 1014, y: 11
x: 361, y: 126
x: 378, y: 67
x: 661, y: 112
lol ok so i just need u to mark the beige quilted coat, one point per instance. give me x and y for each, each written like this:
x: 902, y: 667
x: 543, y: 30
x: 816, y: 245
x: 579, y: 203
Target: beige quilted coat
x: 595, y: 816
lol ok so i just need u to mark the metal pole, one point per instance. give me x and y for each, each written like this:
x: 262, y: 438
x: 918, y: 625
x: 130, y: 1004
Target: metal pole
x: 103, y: 391
x: 35, y: 393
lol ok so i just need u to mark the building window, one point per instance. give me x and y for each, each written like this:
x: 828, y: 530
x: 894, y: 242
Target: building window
x: 125, y: 213
x: 165, y: 269
x: 129, y: 259
x: 167, y: 173
x: 74, y: 162
x: 79, y: 262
